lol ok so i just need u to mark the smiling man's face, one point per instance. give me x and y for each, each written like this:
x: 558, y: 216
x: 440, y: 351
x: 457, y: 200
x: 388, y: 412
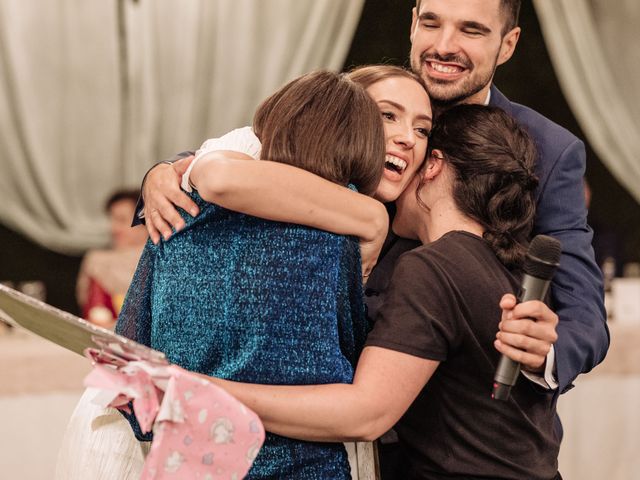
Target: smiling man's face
x: 456, y: 46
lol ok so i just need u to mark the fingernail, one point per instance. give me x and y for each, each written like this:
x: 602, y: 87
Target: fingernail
x: 193, y: 212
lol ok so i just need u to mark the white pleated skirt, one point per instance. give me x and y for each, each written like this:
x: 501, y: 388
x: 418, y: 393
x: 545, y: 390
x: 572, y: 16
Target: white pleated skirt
x: 99, y: 444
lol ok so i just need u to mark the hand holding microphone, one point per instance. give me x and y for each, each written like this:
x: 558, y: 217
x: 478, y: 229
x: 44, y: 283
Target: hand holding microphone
x: 524, y: 340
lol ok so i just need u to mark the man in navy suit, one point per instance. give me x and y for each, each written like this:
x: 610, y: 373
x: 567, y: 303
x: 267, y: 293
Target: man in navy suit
x: 456, y: 46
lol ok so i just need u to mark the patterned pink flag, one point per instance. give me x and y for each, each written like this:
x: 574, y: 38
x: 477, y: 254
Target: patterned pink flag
x: 200, y: 431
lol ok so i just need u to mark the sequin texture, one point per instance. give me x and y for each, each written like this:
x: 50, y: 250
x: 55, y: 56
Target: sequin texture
x: 256, y: 301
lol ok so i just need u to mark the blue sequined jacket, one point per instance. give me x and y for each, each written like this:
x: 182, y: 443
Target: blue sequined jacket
x: 251, y: 300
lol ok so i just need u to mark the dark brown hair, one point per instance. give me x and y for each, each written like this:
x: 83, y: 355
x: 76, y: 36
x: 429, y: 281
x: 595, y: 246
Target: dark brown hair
x: 131, y: 195
x: 326, y: 124
x: 367, y: 75
x: 492, y: 160
x: 510, y: 10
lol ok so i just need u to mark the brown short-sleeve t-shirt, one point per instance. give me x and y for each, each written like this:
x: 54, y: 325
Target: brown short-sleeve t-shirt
x: 442, y: 304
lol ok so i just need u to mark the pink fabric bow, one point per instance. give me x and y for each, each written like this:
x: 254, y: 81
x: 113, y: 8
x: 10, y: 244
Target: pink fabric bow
x: 200, y: 431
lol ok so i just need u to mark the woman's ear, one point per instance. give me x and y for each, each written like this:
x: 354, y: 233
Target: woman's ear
x: 435, y: 163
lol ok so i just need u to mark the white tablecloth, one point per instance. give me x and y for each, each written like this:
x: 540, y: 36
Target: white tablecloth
x: 601, y: 415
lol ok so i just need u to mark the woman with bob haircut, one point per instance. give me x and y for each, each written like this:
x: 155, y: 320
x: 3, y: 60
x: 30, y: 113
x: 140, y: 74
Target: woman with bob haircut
x: 253, y: 300
x: 271, y: 302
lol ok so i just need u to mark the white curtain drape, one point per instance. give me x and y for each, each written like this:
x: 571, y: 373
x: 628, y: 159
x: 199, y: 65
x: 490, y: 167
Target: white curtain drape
x: 93, y: 92
x: 595, y: 49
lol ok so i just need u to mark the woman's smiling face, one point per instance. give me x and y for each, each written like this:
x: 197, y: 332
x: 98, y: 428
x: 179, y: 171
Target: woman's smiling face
x: 406, y: 115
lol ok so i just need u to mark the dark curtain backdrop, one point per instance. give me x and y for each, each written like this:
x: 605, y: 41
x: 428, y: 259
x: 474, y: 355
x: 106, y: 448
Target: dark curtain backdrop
x: 383, y: 36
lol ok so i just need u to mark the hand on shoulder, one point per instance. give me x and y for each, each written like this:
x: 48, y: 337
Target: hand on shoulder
x: 162, y: 195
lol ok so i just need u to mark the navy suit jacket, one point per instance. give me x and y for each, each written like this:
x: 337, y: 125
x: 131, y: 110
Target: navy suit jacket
x: 577, y: 289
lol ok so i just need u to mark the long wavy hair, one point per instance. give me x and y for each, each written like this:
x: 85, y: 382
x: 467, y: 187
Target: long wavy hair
x: 367, y: 75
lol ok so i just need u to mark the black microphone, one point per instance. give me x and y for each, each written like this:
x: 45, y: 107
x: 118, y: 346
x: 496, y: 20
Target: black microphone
x: 541, y: 262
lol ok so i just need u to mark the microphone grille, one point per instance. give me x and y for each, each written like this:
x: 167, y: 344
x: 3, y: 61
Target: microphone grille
x: 543, y: 257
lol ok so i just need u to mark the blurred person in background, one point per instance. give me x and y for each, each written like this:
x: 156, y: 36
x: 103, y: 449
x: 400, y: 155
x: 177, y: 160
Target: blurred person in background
x: 105, y: 274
